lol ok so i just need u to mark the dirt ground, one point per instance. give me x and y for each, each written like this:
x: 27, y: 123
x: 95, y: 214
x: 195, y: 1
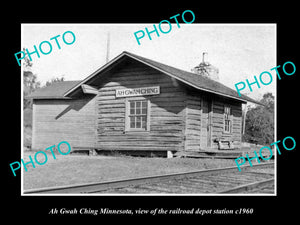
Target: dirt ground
x: 76, y: 169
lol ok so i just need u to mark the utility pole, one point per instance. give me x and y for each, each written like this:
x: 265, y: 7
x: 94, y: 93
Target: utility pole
x: 107, y: 47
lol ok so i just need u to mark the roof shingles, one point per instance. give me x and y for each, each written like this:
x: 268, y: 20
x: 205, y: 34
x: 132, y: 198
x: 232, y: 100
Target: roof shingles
x: 63, y: 89
x: 197, y: 80
x: 54, y: 91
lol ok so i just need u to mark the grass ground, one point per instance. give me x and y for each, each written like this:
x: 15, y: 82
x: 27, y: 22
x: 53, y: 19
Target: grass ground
x: 75, y: 169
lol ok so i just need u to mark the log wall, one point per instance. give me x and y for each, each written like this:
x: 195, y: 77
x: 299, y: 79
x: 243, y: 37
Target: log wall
x: 218, y: 121
x: 205, y: 121
x: 166, y: 111
x: 179, y: 116
x: 193, y: 123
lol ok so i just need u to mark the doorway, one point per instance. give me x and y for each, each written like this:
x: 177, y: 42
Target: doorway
x: 206, y: 122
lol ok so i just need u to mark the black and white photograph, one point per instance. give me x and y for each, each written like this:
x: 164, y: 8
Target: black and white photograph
x: 130, y: 113
x: 119, y: 114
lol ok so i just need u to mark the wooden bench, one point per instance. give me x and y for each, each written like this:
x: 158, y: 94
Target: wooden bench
x: 225, y: 143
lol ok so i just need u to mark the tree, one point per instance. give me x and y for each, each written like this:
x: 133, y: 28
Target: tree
x: 30, y: 82
x: 55, y: 80
x: 268, y: 101
x: 260, y: 122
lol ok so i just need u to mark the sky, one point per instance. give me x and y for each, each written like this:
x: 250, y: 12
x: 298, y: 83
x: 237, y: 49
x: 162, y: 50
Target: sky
x: 239, y: 51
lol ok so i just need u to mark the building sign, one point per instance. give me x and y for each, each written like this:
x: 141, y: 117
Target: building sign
x: 137, y: 92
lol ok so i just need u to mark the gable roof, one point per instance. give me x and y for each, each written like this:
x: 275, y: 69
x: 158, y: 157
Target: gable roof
x: 197, y: 81
x: 54, y: 91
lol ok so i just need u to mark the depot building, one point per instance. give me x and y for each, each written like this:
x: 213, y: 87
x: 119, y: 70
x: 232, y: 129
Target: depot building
x: 138, y: 106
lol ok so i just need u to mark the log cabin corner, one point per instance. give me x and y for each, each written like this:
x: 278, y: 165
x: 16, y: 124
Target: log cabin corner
x: 139, y: 106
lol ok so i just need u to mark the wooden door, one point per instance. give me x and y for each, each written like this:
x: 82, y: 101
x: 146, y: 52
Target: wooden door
x: 206, y: 122
x: 209, y: 123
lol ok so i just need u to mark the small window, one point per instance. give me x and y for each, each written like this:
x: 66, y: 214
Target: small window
x: 227, y: 119
x: 137, y: 117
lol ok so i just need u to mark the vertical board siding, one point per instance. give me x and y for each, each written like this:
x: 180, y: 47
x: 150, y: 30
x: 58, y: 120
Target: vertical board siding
x: 64, y: 120
x: 166, y: 111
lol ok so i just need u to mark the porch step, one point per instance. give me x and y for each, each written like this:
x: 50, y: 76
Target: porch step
x: 209, y: 154
x: 222, y: 154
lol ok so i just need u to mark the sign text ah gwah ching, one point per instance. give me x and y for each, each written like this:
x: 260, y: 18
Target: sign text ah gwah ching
x: 137, y: 92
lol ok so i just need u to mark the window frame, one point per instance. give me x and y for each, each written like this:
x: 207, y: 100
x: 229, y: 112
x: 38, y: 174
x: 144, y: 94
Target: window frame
x: 228, y: 119
x: 127, y: 115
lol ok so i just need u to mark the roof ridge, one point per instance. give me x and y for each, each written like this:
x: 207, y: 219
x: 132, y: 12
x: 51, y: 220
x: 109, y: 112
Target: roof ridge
x: 243, y: 97
x: 197, y: 81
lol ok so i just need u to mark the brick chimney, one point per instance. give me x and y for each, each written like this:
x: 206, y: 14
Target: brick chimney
x: 206, y: 69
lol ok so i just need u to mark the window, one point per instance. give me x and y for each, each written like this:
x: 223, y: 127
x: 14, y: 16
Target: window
x: 227, y: 119
x: 137, y: 115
